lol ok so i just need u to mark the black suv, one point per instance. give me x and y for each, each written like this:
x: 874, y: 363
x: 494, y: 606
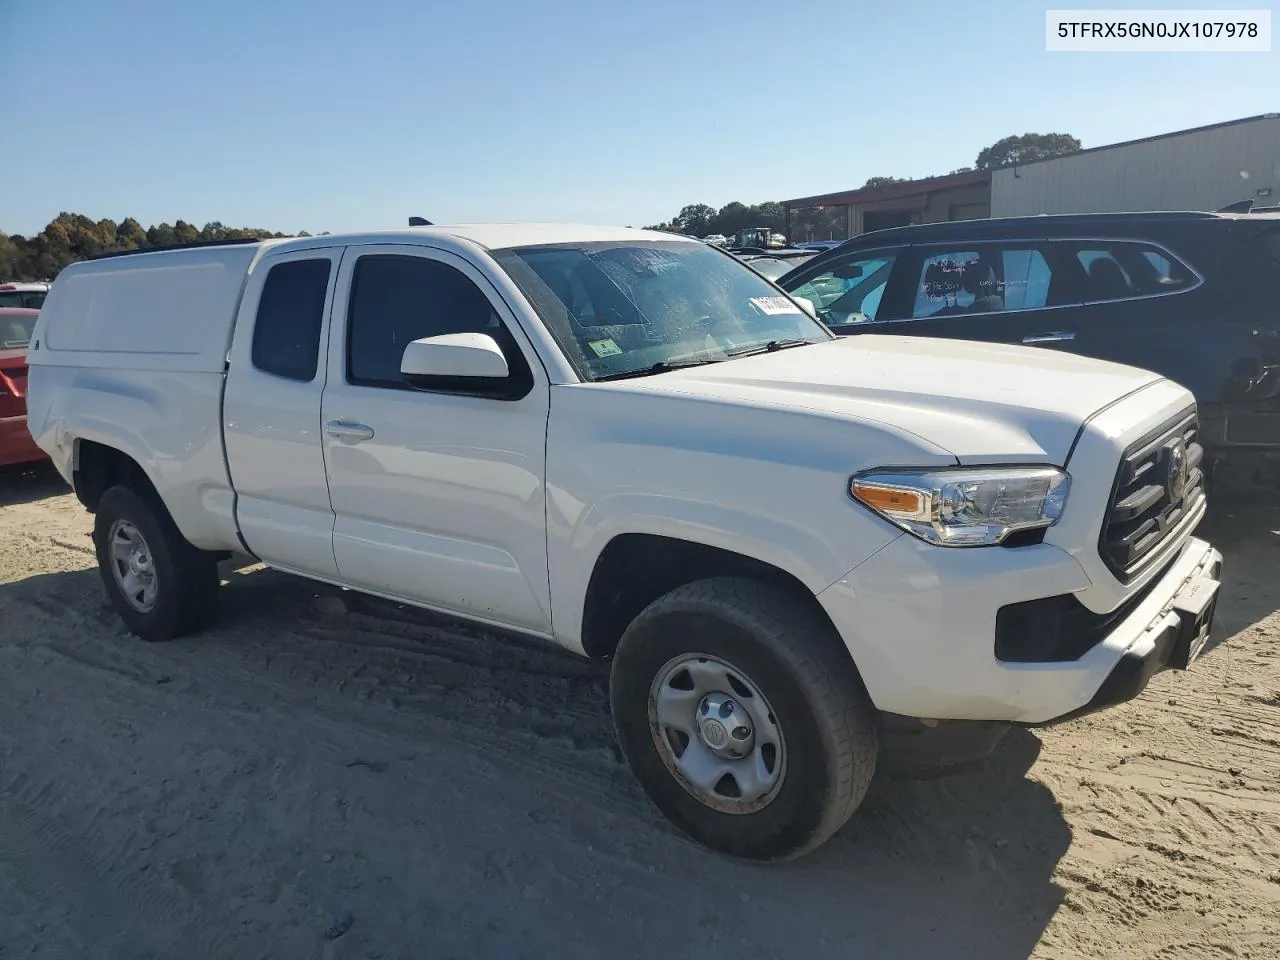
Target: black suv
x: 1192, y: 296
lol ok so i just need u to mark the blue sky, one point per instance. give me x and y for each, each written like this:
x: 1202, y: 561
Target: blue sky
x: 335, y: 116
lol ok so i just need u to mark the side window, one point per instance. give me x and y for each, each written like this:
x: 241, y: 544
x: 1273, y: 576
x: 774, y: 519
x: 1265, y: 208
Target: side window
x: 986, y: 279
x: 1122, y: 270
x: 396, y: 300
x: 850, y: 290
x: 941, y: 289
x: 286, y: 333
x: 1025, y: 279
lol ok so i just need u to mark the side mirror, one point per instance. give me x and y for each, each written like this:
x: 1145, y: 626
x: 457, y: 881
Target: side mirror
x: 471, y: 356
x: 847, y: 271
x: 806, y: 305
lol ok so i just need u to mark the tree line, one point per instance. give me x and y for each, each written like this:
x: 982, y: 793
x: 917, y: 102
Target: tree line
x: 73, y: 236
x: 700, y: 219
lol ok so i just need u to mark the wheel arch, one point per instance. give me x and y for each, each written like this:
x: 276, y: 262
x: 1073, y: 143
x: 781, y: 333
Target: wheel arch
x: 98, y: 466
x: 634, y: 569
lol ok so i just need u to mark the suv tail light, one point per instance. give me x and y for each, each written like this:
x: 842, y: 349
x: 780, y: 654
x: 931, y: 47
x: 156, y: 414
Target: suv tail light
x: 13, y: 389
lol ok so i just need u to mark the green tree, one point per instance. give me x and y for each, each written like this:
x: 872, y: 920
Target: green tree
x: 770, y: 214
x: 1026, y: 148
x: 184, y: 232
x: 10, y: 256
x: 694, y: 220
x: 130, y: 235
x: 73, y: 236
x: 876, y: 182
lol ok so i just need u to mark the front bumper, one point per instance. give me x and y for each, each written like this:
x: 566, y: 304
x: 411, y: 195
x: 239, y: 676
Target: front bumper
x: 16, y: 445
x: 920, y: 623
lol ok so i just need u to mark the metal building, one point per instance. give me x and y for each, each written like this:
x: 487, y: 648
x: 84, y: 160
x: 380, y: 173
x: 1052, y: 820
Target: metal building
x: 837, y: 216
x: 1205, y: 168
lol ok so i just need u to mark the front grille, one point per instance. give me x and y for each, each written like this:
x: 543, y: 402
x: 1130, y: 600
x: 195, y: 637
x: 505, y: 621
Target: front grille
x: 1158, y: 483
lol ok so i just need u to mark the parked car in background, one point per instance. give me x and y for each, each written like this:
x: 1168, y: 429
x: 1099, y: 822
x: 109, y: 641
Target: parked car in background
x: 718, y: 239
x: 29, y: 295
x: 806, y: 558
x: 16, y: 445
x: 1192, y: 296
x: 772, y: 267
x: 819, y: 244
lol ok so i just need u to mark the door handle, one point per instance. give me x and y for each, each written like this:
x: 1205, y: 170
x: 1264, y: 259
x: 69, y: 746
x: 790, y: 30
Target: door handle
x: 348, y: 431
x: 1049, y: 337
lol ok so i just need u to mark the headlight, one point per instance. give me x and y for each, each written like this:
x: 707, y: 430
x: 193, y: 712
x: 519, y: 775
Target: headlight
x: 965, y: 507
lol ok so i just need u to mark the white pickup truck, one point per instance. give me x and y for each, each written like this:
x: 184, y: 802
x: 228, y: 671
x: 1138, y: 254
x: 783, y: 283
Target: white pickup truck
x: 804, y: 556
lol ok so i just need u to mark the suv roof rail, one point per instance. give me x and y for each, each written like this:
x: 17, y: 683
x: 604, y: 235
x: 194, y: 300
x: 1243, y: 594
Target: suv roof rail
x: 232, y: 241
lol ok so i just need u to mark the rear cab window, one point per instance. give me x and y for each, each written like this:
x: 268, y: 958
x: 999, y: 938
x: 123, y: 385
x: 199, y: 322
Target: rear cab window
x: 286, y: 332
x: 15, y: 331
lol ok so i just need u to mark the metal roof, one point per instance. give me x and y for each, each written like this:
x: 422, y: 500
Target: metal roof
x: 910, y: 188
x: 893, y: 191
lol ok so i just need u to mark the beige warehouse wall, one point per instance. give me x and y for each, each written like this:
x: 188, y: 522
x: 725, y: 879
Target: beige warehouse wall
x: 1197, y: 170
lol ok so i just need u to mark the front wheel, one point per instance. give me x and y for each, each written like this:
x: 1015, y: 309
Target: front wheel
x: 743, y: 718
x: 159, y: 584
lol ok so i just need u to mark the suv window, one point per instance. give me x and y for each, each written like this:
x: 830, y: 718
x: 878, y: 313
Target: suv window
x: 286, y: 333
x: 1025, y: 279
x: 16, y: 331
x: 1122, y: 270
x: 986, y: 279
x: 29, y: 299
x: 851, y: 289
x: 397, y: 299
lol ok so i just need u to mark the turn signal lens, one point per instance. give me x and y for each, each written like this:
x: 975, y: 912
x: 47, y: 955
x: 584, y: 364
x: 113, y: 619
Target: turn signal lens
x: 890, y: 500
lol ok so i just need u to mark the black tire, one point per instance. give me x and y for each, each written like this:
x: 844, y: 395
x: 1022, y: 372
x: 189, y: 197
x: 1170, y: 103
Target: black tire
x: 788, y: 650
x: 186, y: 578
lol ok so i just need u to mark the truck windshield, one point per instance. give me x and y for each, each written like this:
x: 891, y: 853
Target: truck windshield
x: 621, y: 309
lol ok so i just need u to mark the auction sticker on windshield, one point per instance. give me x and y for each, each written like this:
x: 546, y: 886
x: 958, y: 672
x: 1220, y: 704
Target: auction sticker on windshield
x: 604, y: 348
x: 773, y: 306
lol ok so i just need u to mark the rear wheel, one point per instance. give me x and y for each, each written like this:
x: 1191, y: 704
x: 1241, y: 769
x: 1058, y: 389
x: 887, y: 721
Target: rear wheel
x: 743, y: 718
x: 159, y: 584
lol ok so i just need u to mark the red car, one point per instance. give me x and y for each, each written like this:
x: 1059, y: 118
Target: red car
x: 16, y: 445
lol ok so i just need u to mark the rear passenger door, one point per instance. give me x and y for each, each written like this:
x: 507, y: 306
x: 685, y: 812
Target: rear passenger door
x: 1008, y: 291
x: 271, y: 411
x: 1135, y: 303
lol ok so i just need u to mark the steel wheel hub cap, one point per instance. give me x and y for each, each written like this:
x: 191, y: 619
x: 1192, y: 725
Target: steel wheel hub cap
x: 131, y: 566
x: 716, y: 733
x: 725, y: 727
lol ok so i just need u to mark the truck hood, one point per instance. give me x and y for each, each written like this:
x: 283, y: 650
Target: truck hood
x: 980, y: 402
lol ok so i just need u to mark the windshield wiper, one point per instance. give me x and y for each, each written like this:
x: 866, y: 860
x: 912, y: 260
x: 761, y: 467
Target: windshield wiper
x: 662, y: 366
x: 771, y: 347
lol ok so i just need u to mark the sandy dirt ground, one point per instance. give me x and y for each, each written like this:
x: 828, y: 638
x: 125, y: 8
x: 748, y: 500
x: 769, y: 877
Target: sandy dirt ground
x: 326, y: 775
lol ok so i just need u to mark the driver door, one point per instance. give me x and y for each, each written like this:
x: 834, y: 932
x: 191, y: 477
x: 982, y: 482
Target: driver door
x: 438, y: 495
x: 855, y: 293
